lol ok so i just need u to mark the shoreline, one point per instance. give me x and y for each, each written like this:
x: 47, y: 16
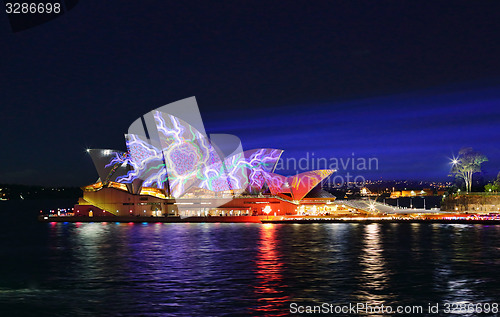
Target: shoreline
x: 259, y: 219
x: 135, y: 219
x: 368, y: 221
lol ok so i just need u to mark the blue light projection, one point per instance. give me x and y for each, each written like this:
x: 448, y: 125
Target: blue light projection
x: 175, y: 156
x: 237, y: 175
x: 214, y: 177
x: 120, y: 168
x: 192, y: 161
x: 260, y: 161
x: 102, y: 158
x: 186, y: 151
x: 147, y: 161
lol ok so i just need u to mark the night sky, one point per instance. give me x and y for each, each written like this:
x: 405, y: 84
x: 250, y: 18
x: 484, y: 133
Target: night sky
x: 407, y: 82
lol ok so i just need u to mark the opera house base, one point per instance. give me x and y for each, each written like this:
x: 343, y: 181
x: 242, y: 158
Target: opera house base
x: 134, y: 219
x: 395, y: 218
x: 108, y: 204
x: 368, y: 220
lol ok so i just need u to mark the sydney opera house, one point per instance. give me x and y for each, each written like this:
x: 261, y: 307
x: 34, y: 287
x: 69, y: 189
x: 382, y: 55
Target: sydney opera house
x: 172, y: 168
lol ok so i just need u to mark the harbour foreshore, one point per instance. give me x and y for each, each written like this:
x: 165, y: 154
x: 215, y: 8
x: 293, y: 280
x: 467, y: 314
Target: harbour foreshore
x: 444, y: 219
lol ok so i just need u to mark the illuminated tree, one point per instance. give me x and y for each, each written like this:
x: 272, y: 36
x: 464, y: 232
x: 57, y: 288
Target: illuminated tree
x: 466, y: 165
x: 491, y: 187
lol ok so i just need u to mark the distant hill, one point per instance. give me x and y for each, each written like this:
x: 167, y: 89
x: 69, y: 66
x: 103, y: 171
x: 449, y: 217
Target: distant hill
x: 29, y: 192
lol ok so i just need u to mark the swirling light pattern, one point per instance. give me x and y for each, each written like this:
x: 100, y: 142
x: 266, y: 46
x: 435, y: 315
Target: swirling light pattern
x: 187, y: 152
x: 147, y: 161
x: 260, y: 161
x: 119, y: 165
x: 237, y: 175
x: 178, y: 158
x: 102, y: 159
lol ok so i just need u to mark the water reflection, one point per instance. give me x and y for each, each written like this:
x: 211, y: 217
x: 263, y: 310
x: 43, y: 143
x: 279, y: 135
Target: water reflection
x: 94, y: 269
x: 459, y: 260
x: 270, y: 286
x: 373, y: 277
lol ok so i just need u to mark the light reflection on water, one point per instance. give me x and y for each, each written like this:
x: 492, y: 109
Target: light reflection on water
x: 269, y: 287
x: 112, y: 269
x: 373, y: 277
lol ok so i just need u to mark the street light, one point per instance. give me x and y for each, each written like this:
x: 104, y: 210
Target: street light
x: 372, y: 207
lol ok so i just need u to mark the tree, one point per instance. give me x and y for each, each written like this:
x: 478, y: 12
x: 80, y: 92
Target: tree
x: 491, y: 187
x: 466, y: 165
x: 453, y: 189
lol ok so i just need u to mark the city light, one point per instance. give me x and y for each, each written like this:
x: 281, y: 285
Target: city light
x: 372, y: 207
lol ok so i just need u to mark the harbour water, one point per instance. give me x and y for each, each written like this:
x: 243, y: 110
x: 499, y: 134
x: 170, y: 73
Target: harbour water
x: 176, y: 269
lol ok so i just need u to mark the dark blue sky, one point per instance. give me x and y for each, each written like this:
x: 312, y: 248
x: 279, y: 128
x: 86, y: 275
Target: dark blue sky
x: 409, y: 83
x: 412, y: 135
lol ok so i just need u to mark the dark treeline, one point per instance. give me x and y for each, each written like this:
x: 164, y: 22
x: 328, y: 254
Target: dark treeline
x: 20, y: 192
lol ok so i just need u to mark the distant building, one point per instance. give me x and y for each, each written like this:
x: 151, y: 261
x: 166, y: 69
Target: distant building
x: 416, y: 193
x: 366, y: 192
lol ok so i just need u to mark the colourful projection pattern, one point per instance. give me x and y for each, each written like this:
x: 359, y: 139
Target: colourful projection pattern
x: 303, y: 183
x: 192, y: 161
x: 147, y: 162
x: 120, y: 167
x: 185, y: 158
x: 101, y: 159
x: 119, y: 162
x: 214, y: 175
x: 237, y: 172
x: 187, y: 153
x: 242, y: 171
x: 260, y: 161
x: 214, y: 178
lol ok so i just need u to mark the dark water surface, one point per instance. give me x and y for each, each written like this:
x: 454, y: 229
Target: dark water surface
x: 111, y: 269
